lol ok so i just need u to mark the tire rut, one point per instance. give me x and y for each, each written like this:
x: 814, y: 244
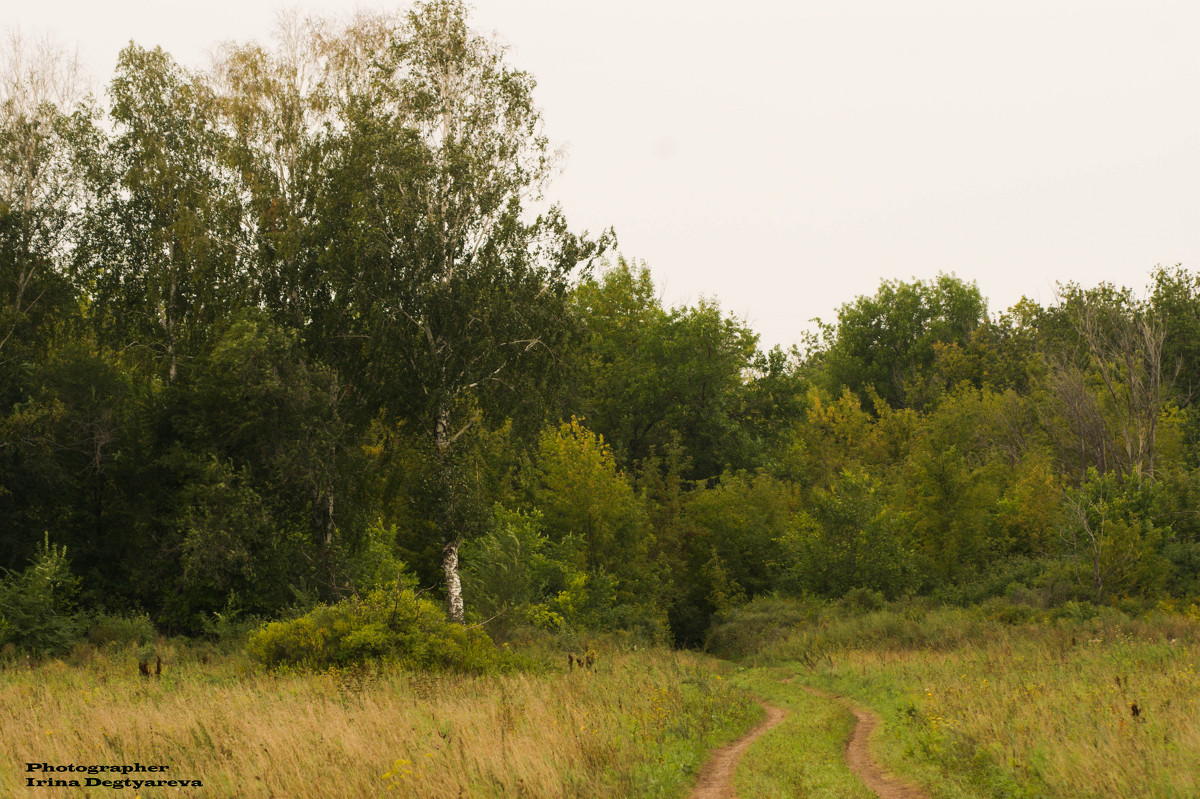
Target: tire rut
x: 858, y: 753
x: 716, y: 778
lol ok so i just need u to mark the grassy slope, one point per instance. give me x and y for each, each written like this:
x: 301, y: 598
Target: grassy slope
x: 1014, y: 711
x: 640, y: 724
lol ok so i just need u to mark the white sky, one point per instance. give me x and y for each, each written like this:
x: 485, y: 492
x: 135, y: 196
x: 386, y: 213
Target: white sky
x: 785, y: 157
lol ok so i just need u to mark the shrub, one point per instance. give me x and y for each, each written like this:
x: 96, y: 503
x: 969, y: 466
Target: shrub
x: 863, y: 600
x: 1003, y: 577
x: 120, y: 631
x: 847, y: 539
x: 762, y: 621
x: 37, y: 605
x: 388, y: 624
x: 1006, y: 611
x: 509, y: 570
x: 1184, y: 557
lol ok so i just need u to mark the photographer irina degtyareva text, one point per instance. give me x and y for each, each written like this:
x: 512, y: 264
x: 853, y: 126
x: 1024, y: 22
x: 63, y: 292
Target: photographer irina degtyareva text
x: 45, y: 775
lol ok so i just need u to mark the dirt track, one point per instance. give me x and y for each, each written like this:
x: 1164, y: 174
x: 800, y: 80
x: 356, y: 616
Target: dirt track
x: 858, y: 754
x: 716, y: 778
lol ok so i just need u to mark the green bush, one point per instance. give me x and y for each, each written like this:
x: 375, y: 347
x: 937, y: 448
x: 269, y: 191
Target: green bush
x: 761, y: 621
x: 388, y: 624
x: 509, y: 571
x: 1007, y: 611
x: 846, y: 538
x: 863, y: 600
x: 999, y: 579
x: 1184, y: 557
x: 120, y: 631
x: 37, y: 612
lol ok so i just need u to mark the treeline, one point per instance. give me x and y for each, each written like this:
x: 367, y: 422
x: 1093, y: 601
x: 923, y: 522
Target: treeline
x: 300, y: 327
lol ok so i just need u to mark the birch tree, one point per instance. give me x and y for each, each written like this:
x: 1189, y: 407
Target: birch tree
x: 445, y: 294
x: 164, y: 245
x: 39, y: 84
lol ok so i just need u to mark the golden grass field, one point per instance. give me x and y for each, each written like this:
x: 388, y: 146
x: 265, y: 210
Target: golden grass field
x: 638, y: 724
x: 972, y: 708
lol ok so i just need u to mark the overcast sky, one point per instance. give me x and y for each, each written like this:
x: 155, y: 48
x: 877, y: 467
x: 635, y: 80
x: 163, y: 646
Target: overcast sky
x: 785, y: 157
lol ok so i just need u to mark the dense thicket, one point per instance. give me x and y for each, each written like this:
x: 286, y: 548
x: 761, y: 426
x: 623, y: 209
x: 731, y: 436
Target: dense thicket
x: 300, y: 327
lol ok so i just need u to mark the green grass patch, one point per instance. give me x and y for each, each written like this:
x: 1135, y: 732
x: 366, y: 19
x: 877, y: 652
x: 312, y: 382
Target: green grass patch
x: 803, y: 755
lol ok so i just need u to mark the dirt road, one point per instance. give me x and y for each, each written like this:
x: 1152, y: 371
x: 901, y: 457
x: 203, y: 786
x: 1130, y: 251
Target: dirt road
x: 858, y: 754
x: 716, y: 778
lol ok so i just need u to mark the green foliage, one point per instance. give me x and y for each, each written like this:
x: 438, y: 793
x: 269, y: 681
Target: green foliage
x: 1184, y: 560
x: 274, y: 334
x: 730, y: 539
x: 37, y: 611
x: 889, y: 342
x: 1031, y: 508
x: 510, y: 573
x: 389, y: 624
x: 71, y: 449
x: 1017, y: 578
x: 121, y: 630
x: 158, y: 250
x: 845, y: 540
x: 1110, y: 538
x: 652, y: 376
x: 258, y: 468
x: 953, y: 481
x: 1175, y: 301
x: 743, y: 630
x: 831, y: 434
x: 374, y: 562
x: 742, y: 519
x: 589, y: 509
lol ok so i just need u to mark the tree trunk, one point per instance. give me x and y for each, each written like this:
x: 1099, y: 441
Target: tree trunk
x: 454, y: 597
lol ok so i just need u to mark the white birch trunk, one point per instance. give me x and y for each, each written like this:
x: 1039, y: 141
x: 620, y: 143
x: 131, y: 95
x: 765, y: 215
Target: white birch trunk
x: 454, y: 597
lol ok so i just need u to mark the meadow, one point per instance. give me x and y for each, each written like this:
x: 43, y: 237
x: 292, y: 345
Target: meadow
x: 637, y: 723
x: 974, y: 706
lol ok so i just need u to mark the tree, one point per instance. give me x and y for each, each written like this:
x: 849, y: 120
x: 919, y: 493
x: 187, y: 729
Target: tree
x: 950, y: 483
x: 845, y: 540
x: 163, y: 247
x: 729, y: 538
x: 889, y: 341
x: 39, y: 187
x: 441, y: 299
x: 277, y: 108
x: 36, y: 605
x: 589, y: 509
x: 1174, y: 303
x: 649, y: 375
x: 1110, y: 539
x: 1112, y: 383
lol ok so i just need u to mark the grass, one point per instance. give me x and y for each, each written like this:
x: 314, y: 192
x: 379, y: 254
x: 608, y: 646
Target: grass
x: 803, y: 755
x: 638, y: 725
x: 974, y: 707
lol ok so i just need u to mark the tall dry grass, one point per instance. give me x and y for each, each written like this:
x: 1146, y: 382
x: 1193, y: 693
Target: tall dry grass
x: 638, y: 724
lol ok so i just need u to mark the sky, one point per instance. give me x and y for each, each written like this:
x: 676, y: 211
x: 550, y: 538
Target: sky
x: 782, y: 158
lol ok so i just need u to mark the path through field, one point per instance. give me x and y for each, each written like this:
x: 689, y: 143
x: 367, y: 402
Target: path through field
x: 858, y: 754
x: 716, y: 778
